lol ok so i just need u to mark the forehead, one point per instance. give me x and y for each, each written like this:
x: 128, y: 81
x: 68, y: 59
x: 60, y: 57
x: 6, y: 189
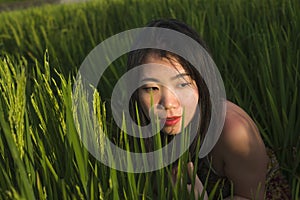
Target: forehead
x: 158, y: 66
x: 168, y: 60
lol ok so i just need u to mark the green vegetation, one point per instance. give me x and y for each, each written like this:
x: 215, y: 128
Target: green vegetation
x: 7, y: 1
x: 255, y: 45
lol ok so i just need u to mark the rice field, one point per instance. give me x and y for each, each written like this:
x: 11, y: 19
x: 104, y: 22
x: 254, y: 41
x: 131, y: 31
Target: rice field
x: 255, y: 44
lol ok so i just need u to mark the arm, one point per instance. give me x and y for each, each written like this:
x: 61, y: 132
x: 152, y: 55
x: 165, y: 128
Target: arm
x: 198, y: 188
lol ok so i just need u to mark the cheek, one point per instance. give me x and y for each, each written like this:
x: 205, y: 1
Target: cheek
x: 189, y: 99
x: 146, y: 102
x: 189, y: 104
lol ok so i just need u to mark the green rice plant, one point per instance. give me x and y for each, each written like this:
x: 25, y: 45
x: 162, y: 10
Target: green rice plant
x: 255, y: 45
x: 13, y: 139
x: 12, y: 85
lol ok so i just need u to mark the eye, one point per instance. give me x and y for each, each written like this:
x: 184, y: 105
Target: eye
x: 182, y: 85
x: 150, y: 89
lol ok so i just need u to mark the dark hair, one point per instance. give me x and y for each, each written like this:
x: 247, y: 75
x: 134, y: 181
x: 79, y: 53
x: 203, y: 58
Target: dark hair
x: 137, y: 57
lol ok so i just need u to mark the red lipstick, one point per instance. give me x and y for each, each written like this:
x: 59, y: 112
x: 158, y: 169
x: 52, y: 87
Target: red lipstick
x: 170, y: 121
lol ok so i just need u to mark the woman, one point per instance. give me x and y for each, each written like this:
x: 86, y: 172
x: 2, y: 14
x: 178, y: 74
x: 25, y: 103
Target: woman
x: 173, y: 89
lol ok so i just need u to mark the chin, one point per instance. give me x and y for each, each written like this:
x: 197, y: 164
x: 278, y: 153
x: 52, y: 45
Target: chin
x: 171, y: 131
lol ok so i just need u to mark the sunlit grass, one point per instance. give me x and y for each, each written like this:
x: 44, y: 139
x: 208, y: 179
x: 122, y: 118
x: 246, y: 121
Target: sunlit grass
x: 255, y: 45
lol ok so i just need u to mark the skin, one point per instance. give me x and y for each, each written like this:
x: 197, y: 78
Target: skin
x: 239, y: 154
x: 172, y: 94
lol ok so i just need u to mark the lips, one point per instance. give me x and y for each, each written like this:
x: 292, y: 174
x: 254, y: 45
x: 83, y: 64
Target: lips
x: 171, y: 121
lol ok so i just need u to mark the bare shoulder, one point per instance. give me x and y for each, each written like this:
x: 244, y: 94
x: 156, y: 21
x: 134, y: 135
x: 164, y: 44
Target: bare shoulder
x: 240, y: 133
x: 240, y: 139
x: 242, y: 151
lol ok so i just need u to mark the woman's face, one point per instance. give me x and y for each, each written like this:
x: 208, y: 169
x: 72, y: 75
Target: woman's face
x: 168, y: 92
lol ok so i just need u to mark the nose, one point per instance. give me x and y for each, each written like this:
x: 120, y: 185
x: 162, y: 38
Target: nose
x: 168, y: 99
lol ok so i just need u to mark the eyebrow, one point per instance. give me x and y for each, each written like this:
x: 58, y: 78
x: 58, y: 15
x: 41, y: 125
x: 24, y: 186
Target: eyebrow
x: 181, y: 75
x: 150, y: 79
